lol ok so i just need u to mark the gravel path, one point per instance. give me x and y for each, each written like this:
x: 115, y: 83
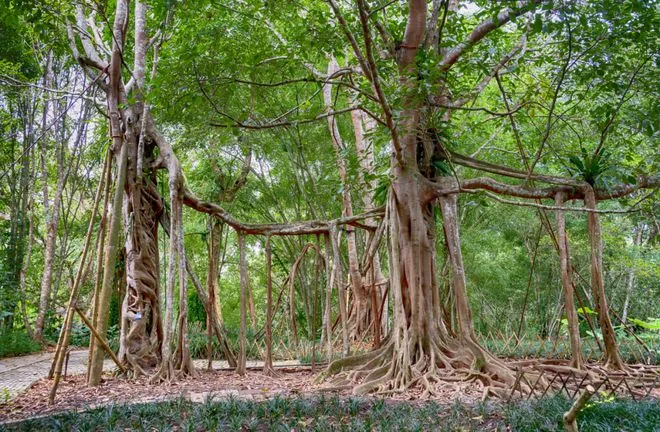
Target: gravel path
x: 18, y: 373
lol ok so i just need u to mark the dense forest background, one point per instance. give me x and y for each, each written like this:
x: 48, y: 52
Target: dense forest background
x: 242, y: 91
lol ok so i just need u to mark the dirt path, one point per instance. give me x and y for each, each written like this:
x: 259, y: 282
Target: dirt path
x: 19, y: 373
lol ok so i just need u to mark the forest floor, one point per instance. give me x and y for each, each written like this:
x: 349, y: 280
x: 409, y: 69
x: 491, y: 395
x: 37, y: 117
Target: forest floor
x: 288, y: 403
x: 18, y: 374
x: 217, y: 385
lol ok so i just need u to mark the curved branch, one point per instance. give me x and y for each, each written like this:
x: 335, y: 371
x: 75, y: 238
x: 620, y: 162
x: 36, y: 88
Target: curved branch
x: 482, y: 30
x: 449, y: 185
x: 275, y: 229
x: 508, y: 172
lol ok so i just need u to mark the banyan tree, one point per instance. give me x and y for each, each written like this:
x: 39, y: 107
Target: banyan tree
x: 400, y: 79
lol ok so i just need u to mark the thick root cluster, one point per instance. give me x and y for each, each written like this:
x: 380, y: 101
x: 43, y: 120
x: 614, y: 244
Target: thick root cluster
x: 434, y: 367
x: 412, y: 363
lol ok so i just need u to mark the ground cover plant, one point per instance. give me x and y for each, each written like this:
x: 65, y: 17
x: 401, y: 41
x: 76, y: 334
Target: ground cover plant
x: 351, y: 414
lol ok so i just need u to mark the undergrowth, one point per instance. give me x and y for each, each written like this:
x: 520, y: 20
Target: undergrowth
x: 352, y: 414
x: 16, y: 343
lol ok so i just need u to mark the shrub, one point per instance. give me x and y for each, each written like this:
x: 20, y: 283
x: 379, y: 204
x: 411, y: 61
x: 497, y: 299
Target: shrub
x: 17, y: 342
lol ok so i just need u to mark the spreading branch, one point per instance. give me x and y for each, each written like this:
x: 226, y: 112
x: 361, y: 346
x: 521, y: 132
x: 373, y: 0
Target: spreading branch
x: 482, y: 30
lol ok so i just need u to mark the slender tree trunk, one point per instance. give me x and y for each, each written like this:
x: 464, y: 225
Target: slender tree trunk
x: 110, y: 257
x: 243, y: 305
x: 360, y: 319
x: 612, y: 358
x: 268, y: 361
x: 182, y: 359
x: 631, y: 274
x: 365, y: 152
x: 52, y: 212
x: 213, y: 249
x: 102, y: 234
x: 329, y: 279
x: 119, y: 147
x: 24, y: 270
x: 567, y: 283
x: 448, y: 205
x: 341, y: 291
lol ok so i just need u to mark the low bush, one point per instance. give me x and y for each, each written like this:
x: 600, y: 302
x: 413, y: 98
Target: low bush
x: 16, y: 343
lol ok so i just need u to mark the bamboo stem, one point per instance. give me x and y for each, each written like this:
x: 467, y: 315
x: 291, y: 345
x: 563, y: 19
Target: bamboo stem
x: 63, y: 343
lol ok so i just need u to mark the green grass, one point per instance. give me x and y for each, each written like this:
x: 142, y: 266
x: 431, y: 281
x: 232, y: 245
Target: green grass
x: 353, y: 414
x: 16, y: 343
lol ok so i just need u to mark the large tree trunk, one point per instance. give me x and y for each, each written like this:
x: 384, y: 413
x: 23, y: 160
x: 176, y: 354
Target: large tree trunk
x: 141, y: 331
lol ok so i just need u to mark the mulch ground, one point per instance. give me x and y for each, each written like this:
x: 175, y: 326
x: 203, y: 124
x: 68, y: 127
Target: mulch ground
x: 73, y: 393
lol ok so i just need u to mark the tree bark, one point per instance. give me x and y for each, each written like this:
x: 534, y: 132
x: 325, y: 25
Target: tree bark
x: 52, y: 213
x: 631, y: 273
x: 268, y: 360
x: 243, y: 305
x: 612, y: 358
x: 567, y: 284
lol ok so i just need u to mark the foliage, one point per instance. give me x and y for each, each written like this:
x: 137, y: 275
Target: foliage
x: 590, y: 168
x: 17, y: 342
x: 615, y: 415
x: 80, y: 335
x: 321, y: 414
x: 652, y: 324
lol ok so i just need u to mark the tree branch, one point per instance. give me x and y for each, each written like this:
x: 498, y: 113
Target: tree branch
x: 482, y: 30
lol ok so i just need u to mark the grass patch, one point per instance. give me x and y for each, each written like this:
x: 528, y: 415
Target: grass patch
x: 352, y: 414
x: 16, y: 343
x: 597, y: 416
